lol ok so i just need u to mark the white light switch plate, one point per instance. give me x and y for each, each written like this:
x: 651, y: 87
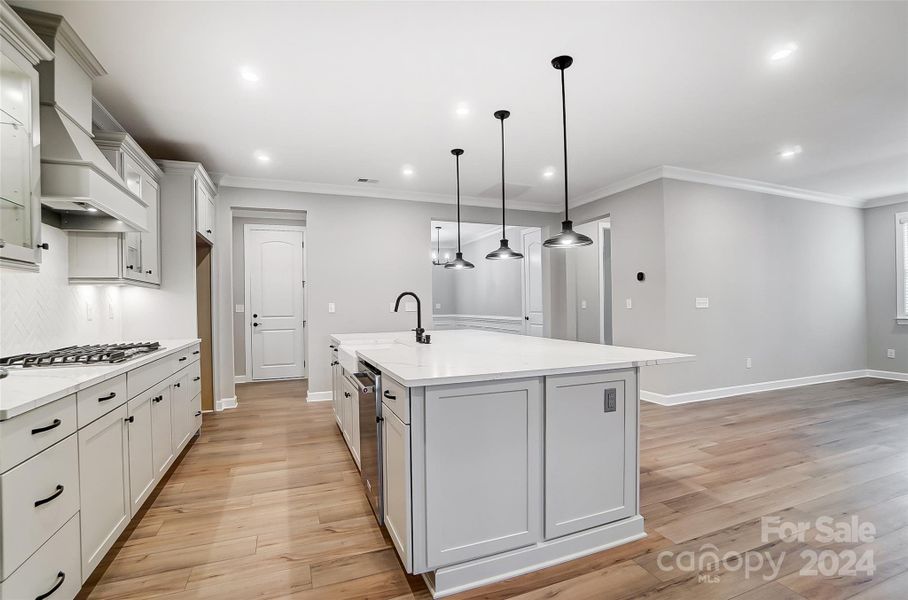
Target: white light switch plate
x: 628, y: 303
x: 89, y: 312
x: 701, y: 302
x: 331, y: 307
x: 437, y: 305
x: 240, y: 308
x: 583, y: 304
x: 890, y: 353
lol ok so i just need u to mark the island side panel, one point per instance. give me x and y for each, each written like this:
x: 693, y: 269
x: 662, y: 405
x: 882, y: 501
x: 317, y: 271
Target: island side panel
x: 482, y: 447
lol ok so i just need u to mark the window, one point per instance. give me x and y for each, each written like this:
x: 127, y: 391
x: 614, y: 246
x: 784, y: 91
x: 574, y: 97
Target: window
x: 901, y: 233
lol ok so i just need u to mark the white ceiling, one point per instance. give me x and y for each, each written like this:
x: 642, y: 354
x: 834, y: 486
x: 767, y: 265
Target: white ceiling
x: 352, y: 90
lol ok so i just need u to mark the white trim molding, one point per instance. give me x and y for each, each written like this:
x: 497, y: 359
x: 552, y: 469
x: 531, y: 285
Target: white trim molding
x: 240, y: 379
x: 766, y: 386
x: 226, y: 403
x: 886, y: 200
x: 319, y: 396
x: 483, y: 322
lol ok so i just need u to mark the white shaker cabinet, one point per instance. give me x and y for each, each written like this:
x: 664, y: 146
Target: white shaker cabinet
x: 104, y: 485
x: 204, y: 210
x: 590, y: 450
x: 396, y: 484
x: 162, y: 430
x: 180, y: 408
x: 142, y: 476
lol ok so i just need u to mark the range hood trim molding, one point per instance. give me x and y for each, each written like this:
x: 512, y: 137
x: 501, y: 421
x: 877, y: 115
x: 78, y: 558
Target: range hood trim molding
x: 22, y: 37
x: 54, y: 28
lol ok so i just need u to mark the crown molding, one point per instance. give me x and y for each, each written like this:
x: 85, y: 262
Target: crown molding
x: 886, y: 200
x: 54, y: 29
x: 182, y: 166
x: 15, y: 31
x: 727, y: 181
x: 283, y: 185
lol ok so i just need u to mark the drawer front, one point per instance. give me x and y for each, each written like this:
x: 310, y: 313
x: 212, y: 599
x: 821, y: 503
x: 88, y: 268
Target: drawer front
x: 148, y: 375
x: 49, y: 480
x: 26, y: 435
x: 195, y: 379
x: 100, y: 399
x: 396, y: 397
x: 53, y: 568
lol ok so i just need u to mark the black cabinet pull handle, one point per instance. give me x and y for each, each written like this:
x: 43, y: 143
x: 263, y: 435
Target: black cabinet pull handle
x: 182, y: 358
x: 130, y: 419
x: 332, y: 346
x: 389, y: 395
x: 61, y: 577
x: 157, y: 398
x: 195, y: 351
x: 130, y: 267
x: 196, y: 378
x: 346, y: 394
x: 53, y: 425
x: 51, y: 497
x: 333, y: 363
x: 148, y: 272
x: 109, y: 396
x: 43, y: 246
x: 177, y: 384
x: 198, y: 413
x: 379, y: 419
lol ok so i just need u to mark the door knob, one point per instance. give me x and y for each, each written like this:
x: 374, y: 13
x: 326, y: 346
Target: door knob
x: 255, y: 324
x: 255, y: 315
x: 526, y: 318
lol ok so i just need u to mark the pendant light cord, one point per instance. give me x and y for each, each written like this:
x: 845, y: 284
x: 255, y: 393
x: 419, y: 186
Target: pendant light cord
x: 564, y: 128
x: 457, y: 170
x: 503, y: 236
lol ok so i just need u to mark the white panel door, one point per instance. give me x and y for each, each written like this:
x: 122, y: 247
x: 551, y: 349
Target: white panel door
x: 274, y: 268
x: 532, y: 281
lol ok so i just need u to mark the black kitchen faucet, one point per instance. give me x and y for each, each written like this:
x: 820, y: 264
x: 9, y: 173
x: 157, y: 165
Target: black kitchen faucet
x: 421, y: 337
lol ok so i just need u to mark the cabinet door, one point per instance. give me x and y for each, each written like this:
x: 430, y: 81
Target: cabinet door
x: 162, y: 431
x: 396, y: 471
x: 212, y: 217
x: 141, y: 450
x: 150, y: 248
x: 590, y: 450
x: 348, y: 411
x: 179, y: 410
x: 483, y: 453
x: 103, y: 485
x: 134, y: 176
x: 195, y: 414
x: 204, y: 220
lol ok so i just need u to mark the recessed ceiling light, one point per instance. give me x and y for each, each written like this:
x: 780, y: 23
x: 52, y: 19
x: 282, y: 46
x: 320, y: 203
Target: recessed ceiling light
x: 249, y: 75
x: 91, y: 209
x: 462, y: 110
x: 262, y: 157
x: 784, y: 52
x: 790, y: 152
x: 407, y: 170
x: 549, y: 172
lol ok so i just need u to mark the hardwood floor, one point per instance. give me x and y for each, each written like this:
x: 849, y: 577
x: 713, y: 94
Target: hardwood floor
x: 267, y: 504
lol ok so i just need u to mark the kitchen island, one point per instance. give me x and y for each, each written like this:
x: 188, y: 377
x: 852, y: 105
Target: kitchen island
x: 501, y: 454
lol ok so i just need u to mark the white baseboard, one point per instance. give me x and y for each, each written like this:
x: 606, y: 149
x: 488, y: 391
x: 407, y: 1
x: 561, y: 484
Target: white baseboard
x: 240, y: 379
x: 225, y: 403
x: 318, y: 396
x: 766, y: 386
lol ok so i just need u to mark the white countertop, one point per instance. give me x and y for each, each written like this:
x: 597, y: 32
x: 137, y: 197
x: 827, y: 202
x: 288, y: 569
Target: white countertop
x: 25, y: 389
x: 465, y: 355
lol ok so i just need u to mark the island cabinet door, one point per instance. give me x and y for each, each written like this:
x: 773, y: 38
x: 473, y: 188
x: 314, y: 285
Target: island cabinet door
x: 483, y: 462
x: 590, y: 450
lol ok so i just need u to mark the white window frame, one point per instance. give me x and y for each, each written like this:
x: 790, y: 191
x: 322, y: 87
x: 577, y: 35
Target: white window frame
x: 901, y: 231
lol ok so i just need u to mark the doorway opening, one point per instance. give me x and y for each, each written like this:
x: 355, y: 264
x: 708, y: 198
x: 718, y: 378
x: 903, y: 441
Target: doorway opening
x: 203, y: 318
x: 589, y: 285
x: 270, y: 319
x: 496, y: 295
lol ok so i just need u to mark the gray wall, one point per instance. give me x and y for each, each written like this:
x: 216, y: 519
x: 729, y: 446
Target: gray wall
x: 360, y: 253
x: 240, y: 323
x: 443, y: 292
x: 882, y: 331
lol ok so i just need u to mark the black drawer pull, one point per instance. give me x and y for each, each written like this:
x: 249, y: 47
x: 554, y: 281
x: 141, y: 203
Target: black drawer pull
x: 130, y: 419
x: 157, y: 399
x: 346, y: 394
x: 196, y: 351
x: 389, y: 395
x: 61, y: 577
x: 196, y: 378
x: 177, y: 384
x: 198, y: 413
x: 109, y: 396
x: 53, y: 425
x: 51, y: 497
x: 183, y: 358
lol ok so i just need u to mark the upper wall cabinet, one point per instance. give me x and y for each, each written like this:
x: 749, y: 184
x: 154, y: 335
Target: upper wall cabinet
x: 122, y: 257
x: 20, y: 162
x: 204, y: 208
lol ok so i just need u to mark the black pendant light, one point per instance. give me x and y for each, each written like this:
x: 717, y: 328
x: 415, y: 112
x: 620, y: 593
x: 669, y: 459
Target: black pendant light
x: 504, y: 252
x: 458, y: 262
x: 436, y: 260
x: 568, y: 238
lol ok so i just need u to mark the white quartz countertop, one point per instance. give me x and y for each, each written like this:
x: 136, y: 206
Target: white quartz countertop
x: 25, y: 389
x: 465, y: 355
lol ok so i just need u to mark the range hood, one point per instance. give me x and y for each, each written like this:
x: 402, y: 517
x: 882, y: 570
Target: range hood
x: 76, y: 179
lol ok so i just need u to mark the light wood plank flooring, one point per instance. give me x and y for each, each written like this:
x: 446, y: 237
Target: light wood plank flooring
x: 267, y: 504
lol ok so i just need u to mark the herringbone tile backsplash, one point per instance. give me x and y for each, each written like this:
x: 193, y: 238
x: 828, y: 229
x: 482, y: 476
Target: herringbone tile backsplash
x: 42, y: 311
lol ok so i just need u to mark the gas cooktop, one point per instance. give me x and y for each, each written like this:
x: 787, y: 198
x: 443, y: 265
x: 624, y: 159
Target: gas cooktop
x: 98, y: 354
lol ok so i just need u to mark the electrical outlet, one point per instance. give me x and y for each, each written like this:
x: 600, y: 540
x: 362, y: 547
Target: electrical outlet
x: 437, y: 305
x: 748, y: 363
x: 701, y: 302
x: 583, y: 304
x: 240, y: 308
x: 110, y: 309
x: 331, y: 307
x: 890, y: 353
x: 628, y: 303
x: 89, y: 312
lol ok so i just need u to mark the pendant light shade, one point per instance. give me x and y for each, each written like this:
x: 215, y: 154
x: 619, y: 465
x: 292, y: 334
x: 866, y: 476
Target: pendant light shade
x: 504, y: 251
x: 568, y: 238
x: 458, y: 262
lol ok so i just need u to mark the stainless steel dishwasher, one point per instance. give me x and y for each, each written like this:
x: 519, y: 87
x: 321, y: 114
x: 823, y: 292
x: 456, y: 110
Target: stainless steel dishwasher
x: 368, y: 385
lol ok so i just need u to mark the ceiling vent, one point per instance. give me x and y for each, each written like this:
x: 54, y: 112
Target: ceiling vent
x: 366, y: 180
